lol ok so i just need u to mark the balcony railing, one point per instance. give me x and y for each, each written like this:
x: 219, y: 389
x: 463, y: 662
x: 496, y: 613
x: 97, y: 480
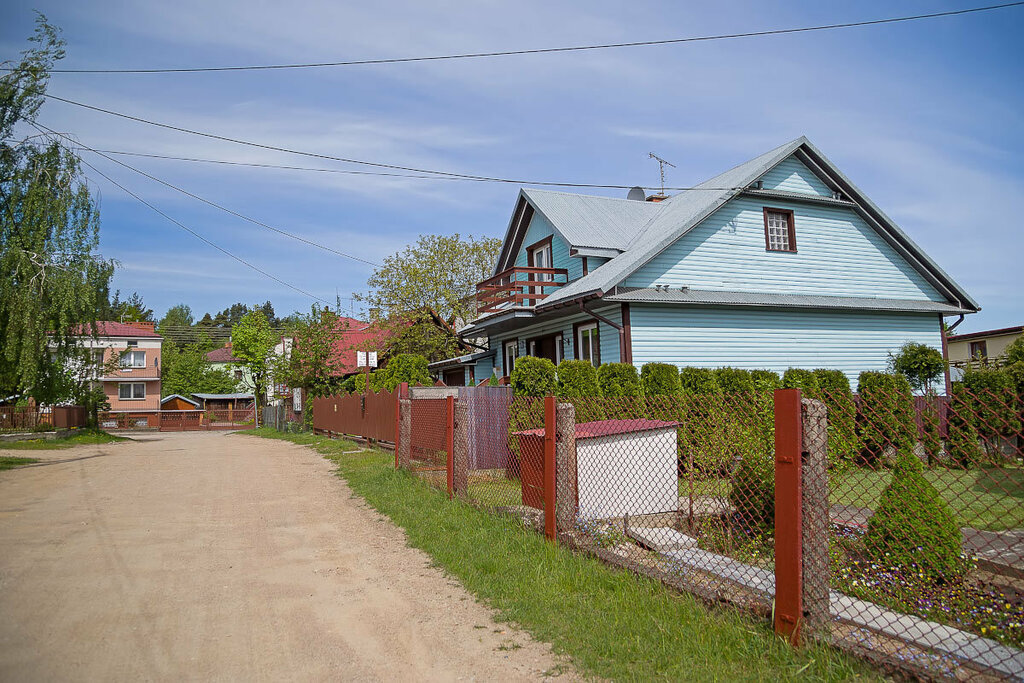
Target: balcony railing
x: 520, y: 287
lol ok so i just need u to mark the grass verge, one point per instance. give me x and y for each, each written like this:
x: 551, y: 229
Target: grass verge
x: 9, y: 462
x: 81, y: 438
x: 611, y: 623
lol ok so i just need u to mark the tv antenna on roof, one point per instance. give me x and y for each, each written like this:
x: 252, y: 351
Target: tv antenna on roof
x: 661, y: 166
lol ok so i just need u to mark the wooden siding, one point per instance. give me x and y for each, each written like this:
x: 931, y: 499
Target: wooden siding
x: 791, y: 175
x: 838, y: 255
x: 539, y: 229
x: 609, y: 335
x: 775, y: 339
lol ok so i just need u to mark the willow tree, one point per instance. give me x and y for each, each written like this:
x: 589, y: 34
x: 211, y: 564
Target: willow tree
x: 52, y: 280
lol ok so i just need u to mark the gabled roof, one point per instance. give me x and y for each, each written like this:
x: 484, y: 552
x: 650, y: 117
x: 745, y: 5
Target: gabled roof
x: 214, y: 397
x: 1002, y: 332
x: 222, y: 355
x: 110, y: 328
x: 165, y: 399
x: 677, y: 215
x: 587, y: 221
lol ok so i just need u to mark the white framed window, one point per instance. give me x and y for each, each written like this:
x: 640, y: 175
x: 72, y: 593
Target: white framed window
x: 511, y: 353
x: 133, y: 359
x: 588, y: 345
x: 131, y: 391
x: 558, y: 348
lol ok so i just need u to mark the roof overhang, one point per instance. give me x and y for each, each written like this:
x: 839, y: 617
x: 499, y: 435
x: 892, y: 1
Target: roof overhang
x: 597, y: 252
x: 469, y: 359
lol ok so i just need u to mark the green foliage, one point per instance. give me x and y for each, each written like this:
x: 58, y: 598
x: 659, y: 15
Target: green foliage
x: 618, y: 379
x: 930, y: 438
x: 179, y: 315
x: 130, y: 310
x: 698, y: 381
x: 834, y: 391
x: 404, y: 367
x: 1015, y: 352
x: 314, y: 362
x: 184, y: 370
x: 766, y: 380
x: 52, y: 278
x: 352, y: 383
x: 660, y: 379
x: 753, y: 490
x: 252, y: 342
x: 799, y: 378
x: 734, y: 380
x: 963, y: 442
x: 996, y: 406
x: 919, y: 363
x: 577, y: 379
x: 533, y: 376
x: 887, y: 414
x: 912, y: 527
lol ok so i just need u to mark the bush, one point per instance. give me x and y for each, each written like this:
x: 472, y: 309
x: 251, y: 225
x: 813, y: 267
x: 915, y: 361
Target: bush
x: 753, y: 491
x: 834, y: 391
x: 919, y: 363
x: 698, y: 382
x: 660, y: 379
x: 962, y: 442
x: 734, y: 380
x: 618, y: 379
x: 887, y: 414
x: 766, y: 380
x: 404, y: 367
x: 930, y: 438
x: 533, y: 377
x: 994, y: 395
x: 798, y: 378
x: 577, y: 379
x: 912, y: 528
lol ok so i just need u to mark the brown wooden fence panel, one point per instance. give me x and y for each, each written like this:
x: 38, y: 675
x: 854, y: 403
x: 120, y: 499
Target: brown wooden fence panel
x: 371, y: 417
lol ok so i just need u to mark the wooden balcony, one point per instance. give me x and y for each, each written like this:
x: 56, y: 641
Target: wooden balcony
x: 518, y: 288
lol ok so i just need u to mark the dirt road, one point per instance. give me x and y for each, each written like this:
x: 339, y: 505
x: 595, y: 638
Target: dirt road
x: 229, y: 557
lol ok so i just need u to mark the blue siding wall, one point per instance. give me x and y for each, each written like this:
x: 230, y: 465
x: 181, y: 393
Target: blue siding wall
x: 792, y: 176
x: 775, y: 339
x: 538, y: 230
x: 609, y: 335
x: 838, y: 254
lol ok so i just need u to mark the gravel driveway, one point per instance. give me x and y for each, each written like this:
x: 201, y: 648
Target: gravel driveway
x: 218, y: 556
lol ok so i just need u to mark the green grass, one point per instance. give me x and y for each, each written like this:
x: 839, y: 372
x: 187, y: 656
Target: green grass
x: 989, y: 499
x: 611, y: 623
x: 84, y: 437
x: 8, y: 462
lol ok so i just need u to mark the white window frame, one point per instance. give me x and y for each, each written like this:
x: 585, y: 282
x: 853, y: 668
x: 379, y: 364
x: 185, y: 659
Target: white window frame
x: 132, y: 387
x: 558, y: 348
x: 510, y: 361
x: 128, y: 359
x: 587, y: 342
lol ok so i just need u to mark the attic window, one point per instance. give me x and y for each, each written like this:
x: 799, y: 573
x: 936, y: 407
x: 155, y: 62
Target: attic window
x: 779, y: 230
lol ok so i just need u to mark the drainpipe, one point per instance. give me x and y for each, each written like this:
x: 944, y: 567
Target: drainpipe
x: 945, y: 349
x: 621, y: 330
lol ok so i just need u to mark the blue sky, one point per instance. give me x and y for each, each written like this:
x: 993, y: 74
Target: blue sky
x: 925, y: 117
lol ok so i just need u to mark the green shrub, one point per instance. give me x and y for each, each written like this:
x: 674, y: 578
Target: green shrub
x: 834, y: 391
x: 919, y: 363
x: 577, y: 378
x: 886, y: 414
x: 698, y: 381
x: 753, y: 491
x: 798, y: 378
x: 766, y: 380
x: 930, y: 438
x: 533, y: 376
x: 913, y: 528
x: 659, y: 379
x: 734, y: 380
x: 994, y: 395
x: 618, y: 379
x: 962, y: 441
x: 404, y: 367
x: 1015, y: 352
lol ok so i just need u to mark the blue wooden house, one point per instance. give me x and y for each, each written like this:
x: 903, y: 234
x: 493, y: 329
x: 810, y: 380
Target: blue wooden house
x: 779, y: 262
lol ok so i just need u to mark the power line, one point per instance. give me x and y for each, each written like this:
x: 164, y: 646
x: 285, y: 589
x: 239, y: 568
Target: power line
x: 548, y: 50
x: 212, y: 203
x: 441, y: 174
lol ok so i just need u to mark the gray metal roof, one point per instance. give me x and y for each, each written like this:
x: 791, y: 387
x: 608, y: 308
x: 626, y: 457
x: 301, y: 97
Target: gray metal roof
x: 468, y: 359
x: 165, y: 399
x: 677, y: 215
x: 207, y: 397
x: 721, y: 298
x: 587, y: 221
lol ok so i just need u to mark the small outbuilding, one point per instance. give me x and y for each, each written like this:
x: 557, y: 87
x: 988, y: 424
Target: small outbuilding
x: 225, y: 401
x: 178, y: 402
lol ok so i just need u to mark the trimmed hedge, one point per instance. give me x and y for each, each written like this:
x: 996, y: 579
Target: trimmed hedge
x: 734, y: 380
x: 618, y: 379
x: 834, y: 391
x: 404, y: 367
x: 766, y: 380
x: 660, y: 379
x: 964, y: 450
x: 799, y: 378
x: 913, y: 528
x: 753, y: 491
x: 577, y: 379
x: 994, y: 395
x: 533, y: 376
x: 698, y: 381
x: 887, y: 414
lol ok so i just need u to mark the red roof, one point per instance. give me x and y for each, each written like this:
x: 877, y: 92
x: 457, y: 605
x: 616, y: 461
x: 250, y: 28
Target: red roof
x: 222, y: 355
x: 109, y: 328
x: 591, y: 430
x: 356, y: 335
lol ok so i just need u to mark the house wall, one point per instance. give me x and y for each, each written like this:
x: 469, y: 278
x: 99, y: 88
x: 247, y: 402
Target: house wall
x: 995, y: 345
x: 541, y: 228
x: 791, y: 175
x: 609, y: 335
x: 112, y: 348
x: 150, y: 402
x: 838, y: 254
x: 775, y: 339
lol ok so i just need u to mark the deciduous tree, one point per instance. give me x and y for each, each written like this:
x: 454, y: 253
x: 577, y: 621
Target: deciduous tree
x: 253, y: 342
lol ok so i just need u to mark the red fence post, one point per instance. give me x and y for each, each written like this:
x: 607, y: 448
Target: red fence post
x: 449, y: 442
x: 550, y: 528
x: 788, y: 515
x: 403, y: 391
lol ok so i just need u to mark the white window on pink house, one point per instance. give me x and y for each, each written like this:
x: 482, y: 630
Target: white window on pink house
x: 131, y: 391
x: 133, y: 359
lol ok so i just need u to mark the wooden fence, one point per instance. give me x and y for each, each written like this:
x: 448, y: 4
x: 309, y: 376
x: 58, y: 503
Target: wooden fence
x: 373, y: 416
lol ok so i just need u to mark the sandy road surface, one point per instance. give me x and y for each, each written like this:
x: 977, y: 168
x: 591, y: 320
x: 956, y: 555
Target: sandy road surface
x: 227, y: 557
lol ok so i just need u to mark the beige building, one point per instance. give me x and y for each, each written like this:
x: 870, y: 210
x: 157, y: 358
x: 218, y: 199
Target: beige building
x: 987, y: 345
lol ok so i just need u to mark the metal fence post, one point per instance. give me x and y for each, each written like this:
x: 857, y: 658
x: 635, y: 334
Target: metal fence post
x: 788, y: 515
x: 550, y: 426
x: 565, y: 465
x: 460, y: 459
x: 402, y: 392
x: 815, y: 520
x: 449, y: 441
